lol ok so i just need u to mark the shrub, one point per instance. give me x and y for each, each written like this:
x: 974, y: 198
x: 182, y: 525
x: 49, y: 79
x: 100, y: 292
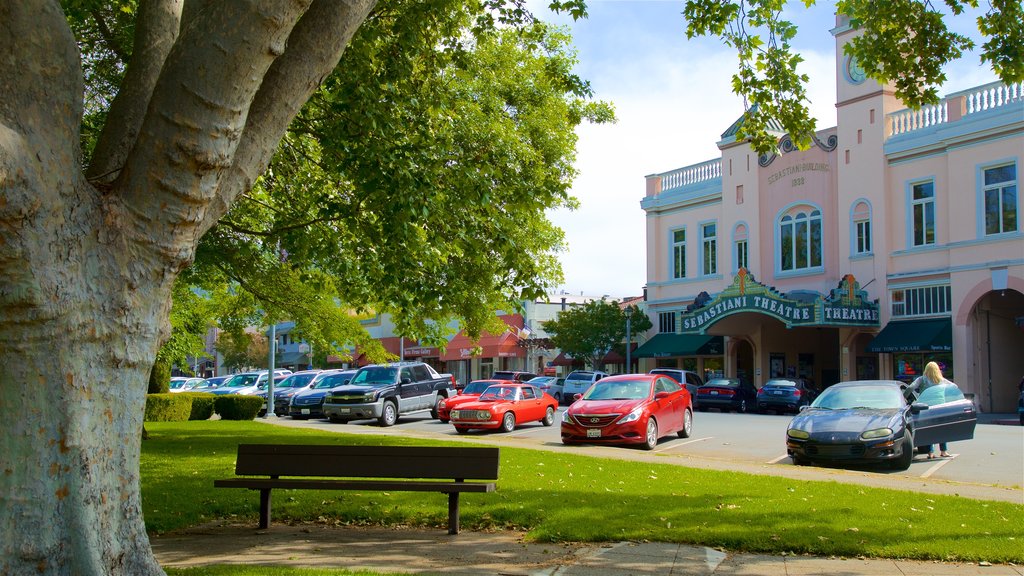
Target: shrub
x: 202, y: 404
x: 167, y: 408
x: 160, y: 378
x: 235, y: 407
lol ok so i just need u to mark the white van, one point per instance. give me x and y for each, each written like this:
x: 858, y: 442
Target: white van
x: 577, y: 382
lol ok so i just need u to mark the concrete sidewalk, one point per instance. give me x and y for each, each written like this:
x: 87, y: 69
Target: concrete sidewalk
x: 419, y: 551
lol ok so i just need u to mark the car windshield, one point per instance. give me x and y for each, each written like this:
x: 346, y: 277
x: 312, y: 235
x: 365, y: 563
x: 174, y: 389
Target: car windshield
x: 375, y: 375
x: 178, y: 384
x: 541, y: 380
x: 724, y: 382
x: 332, y: 381
x: 619, y: 390
x: 579, y: 377
x: 241, y: 380
x: 872, y: 397
x: 476, y: 387
x: 295, y: 381
x: 495, y: 393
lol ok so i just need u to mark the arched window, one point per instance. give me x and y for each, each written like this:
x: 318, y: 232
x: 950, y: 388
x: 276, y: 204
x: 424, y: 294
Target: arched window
x: 800, y: 239
x: 861, y: 218
x: 740, y: 251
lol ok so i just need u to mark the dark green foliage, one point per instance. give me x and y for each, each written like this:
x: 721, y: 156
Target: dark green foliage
x: 160, y: 378
x: 202, y: 405
x: 588, y: 332
x: 168, y: 408
x: 235, y: 407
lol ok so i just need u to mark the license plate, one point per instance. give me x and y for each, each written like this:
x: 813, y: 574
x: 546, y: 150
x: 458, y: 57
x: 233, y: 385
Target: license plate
x: 593, y: 433
x: 714, y: 392
x: 264, y: 407
x: 305, y: 410
x: 344, y: 410
x: 779, y: 393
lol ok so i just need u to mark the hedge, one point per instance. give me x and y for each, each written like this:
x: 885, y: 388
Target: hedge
x: 202, y: 404
x: 236, y: 407
x: 167, y: 408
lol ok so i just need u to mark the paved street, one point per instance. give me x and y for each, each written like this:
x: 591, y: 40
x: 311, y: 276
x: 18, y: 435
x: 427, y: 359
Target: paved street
x: 991, y: 466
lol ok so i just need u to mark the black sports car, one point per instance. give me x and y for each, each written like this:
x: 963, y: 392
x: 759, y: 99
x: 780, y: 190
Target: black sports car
x: 870, y: 420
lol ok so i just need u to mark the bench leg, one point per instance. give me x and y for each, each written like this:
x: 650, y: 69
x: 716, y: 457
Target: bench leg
x: 453, y: 512
x: 265, y: 508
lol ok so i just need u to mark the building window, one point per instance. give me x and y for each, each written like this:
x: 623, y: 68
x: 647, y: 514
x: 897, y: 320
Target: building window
x: 923, y: 209
x: 709, y: 254
x: 741, y: 257
x: 861, y: 228
x: 800, y: 240
x: 1001, y: 199
x: 667, y: 322
x: 922, y: 301
x: 679, y: 253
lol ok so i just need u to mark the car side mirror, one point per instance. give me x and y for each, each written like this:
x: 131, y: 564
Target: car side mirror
x: 917, y: 407
x: 804, y: 407
x: 662, y: 394
x: 406, y: 380
x: 577, y: 396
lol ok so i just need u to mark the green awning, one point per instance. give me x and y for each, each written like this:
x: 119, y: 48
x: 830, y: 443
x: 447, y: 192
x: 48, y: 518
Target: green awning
x: 933, y: 335
x: 670, y: 344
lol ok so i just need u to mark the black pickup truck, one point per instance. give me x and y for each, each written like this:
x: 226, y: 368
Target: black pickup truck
x: 386, y: 391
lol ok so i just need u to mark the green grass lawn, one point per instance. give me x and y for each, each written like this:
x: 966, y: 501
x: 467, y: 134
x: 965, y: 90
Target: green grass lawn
x: 559, y: 497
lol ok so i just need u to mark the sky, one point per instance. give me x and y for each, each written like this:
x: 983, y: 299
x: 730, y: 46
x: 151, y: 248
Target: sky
x: 673, y: 100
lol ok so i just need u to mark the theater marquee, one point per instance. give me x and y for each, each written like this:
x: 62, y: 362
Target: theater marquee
x: 845, y: 305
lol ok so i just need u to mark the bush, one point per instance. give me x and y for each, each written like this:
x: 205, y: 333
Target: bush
x: 167, y: 408
x: 160, y: 378
x: 235, y: 407
x: 202, y: 404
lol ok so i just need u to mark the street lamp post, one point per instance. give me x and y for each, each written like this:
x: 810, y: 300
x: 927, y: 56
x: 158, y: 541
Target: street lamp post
x: 272, y: 341
x: 629, y: 338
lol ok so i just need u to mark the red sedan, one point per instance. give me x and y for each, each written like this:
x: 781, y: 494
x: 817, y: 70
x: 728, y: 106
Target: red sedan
x: 469, y: 393
x: 629, y: 409
x: 503, y: 406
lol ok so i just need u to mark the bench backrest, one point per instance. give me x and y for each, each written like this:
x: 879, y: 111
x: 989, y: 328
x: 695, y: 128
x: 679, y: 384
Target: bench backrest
x: 433, y: 462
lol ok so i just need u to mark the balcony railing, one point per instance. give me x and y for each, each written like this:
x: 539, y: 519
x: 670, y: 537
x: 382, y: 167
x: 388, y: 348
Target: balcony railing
x: 687, y: 175
x: 956, y: 106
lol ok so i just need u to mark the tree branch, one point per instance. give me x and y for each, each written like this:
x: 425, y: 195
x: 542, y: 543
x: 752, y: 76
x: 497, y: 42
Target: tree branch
x: 314, y: 49
x: 108, y: 38
x: 156, y: 29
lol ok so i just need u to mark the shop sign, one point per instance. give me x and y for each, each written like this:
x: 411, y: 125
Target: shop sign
x: 845, y: 305
x: 421, y: 351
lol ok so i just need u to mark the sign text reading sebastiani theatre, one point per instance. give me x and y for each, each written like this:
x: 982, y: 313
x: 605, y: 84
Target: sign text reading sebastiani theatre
x: 845, y: 305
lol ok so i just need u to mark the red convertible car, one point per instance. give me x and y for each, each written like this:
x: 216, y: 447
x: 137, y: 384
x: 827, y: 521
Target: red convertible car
x: 503, y: 406
x: 469, y: 393
x: 629, y: 409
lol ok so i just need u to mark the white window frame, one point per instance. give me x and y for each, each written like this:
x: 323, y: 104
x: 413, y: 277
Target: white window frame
x: 678, y: 249
x: 921, y: 301
x: 927, y: 205
x: 999, y: 188
x: 709, y: 248
x: 810, y: 216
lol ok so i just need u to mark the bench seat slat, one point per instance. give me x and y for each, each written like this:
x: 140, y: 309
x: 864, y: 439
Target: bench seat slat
x: 308, y: 484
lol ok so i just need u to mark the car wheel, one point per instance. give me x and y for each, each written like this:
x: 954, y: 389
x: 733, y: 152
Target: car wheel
x: 443, y: 420
x: 743, y: 407
x: 687, y: 424
x: 389, y: 415
x: 549, y: 417
x: 558, y: 398
x: 508, y: 422
x: 461, y: 429
x: 437, y: 406
x: 798, y: 461
x: 903, y: 462
x: 651, y: 437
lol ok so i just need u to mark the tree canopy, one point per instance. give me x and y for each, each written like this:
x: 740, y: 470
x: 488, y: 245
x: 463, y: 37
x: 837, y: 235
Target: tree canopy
x: 903, y: 42
x: 592, y: 330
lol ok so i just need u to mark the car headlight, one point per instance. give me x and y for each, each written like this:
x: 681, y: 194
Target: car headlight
x: 634, y: 415
x: 483, y: 415
x: 876, y: 433
x: 441, y: 404
x: 798, y: 434
x: 370, y: 396
x: 565, y: 416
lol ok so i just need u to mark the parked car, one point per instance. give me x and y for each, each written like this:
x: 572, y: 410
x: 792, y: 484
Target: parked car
x: 871, y: 421
x: 185, y: 384
x: 629, y: 409
x: 513, y: 375
x: 212, y: 382
x: 309, y: 402
x: 687, y: 378
x: 577, y: 382
x: 387, y: 391
x: 504, y: 406
x: 726, y: 394
x: 550, y: 384
x: 469, y: 393
x: 286, y: 388
x: 241, y: 383
x: 784, y: 395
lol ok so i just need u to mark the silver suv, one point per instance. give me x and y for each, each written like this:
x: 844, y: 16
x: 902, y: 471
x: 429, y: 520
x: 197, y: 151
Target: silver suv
x: 691, y: 380
x: 577, y: 382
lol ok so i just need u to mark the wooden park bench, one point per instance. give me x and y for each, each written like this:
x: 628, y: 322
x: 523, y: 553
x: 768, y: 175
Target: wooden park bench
x: 441, y: 469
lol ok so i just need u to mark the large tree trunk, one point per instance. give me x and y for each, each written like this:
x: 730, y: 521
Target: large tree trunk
x: 86, y: 268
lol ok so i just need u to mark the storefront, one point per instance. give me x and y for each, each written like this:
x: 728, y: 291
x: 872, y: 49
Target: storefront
x: 467, y: 359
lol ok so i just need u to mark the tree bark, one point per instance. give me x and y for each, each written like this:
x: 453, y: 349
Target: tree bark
x: 86, y: 274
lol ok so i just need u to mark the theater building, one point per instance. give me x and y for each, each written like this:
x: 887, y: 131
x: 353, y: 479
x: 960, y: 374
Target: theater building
x: 893, y: 240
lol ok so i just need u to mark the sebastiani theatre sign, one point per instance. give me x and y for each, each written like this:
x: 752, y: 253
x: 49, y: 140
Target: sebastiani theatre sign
x: 845, y: 305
